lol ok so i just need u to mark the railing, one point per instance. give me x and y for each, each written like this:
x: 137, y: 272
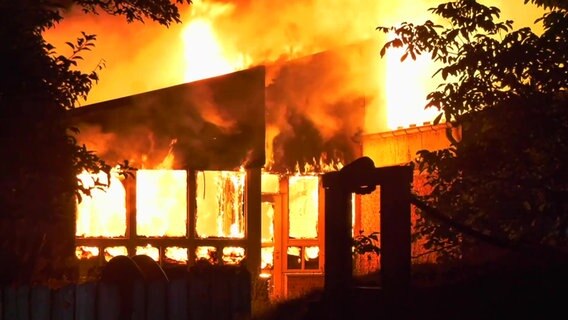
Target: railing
x: 201, y: 293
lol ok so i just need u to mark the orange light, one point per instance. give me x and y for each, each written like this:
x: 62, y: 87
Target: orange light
x: 103, y: 213
x: 150, y: 251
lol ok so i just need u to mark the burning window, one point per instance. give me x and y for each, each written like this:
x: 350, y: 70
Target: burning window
x: 294, y: 257
x: 270, y: 183
x: 150, y: 251
x: 303, y: 207
x: 267, y: 222
x: 176, y: 255
x: 103, y: 212
x: 233, y: 255
x: 111, y: 252
x: 220, y: 204
x: 161, y: 203
x: 311, y: 257
x: 207, y: 253
x: 86, y: 252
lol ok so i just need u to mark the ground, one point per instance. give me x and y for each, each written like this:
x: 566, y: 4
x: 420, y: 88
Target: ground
x: 512, y: 290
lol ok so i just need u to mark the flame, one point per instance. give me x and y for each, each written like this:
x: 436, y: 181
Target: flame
x: 176, y: 255
x: 321, y: 165
x: 205, y: 54
x: 303, y: 207
x: 206, y: 253
x: 150, y: 251
x: 267, y: 258
x: 103, y: 213
x: 111, y: 252
x: 161, y: 202
x: 85, y: 252
x: 406, y: 85
x: 220, y: 204
x: 233, y: 255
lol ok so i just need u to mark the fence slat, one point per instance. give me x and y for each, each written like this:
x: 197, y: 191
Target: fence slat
x: 198, y: 297
x: 40, y: 303
x: 85, y: 298
x: 156, y: 300
x: 138, y: 300
x: 63, y: 303
x: 206, y: 293
x: 108, y: 302
x: 221, y: 295
x: 177, y: 299
x: 241, y: 294
x: 23, y: 302
x: 10, y: 304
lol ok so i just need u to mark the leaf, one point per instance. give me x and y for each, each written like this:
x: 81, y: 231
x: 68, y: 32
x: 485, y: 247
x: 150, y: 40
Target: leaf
x: 438, y: 118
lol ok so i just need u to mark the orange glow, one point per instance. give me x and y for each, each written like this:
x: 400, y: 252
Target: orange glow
x: 103, y: 214
x: 406, y: 85
x: 206, y: 253
x: 176, y: 255
x: 233, y: 255
x: 320, y: 165
x: 150, y: 251
x: 311, y: 252
x: 270, y: 183
x: 84, y: 252
x: 111, y: 252
x: 303, y: 207
x: 267, y: 258
x: 220, y: 204
x: 205, y: 54
x: 161, y: 202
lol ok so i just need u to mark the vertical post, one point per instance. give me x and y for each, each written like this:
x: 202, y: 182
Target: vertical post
x: 253, y: 215
x: 338, y: 260
x: 131, y: 232
x: 191, y: 215
x: 395, y: 232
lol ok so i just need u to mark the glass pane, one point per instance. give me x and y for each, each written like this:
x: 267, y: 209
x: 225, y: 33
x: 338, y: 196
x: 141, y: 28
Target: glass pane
x: 103, y: 213
x: 270, y: 183
x: 206, y: 253
x: 311, y: 257
x: 161, y: 203
x: 84, y: 252
x: 294, y: 257
x: 233, y: 255
x: 176, y: 255
x: 111, y: 252
x: 267, y: 258
x: 220, y: 204
x: 150, y: 251
x: 267, y: 222
x: 303, y: 207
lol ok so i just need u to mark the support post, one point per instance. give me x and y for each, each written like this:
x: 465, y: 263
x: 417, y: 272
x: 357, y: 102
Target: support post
x: 395, y: 233
x: 338, y: 260
x: 361, y: 177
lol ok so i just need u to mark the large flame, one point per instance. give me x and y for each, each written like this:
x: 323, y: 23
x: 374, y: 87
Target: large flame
x: 103, y: 212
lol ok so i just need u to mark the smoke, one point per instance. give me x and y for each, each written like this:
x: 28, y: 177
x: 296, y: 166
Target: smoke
x: 334, y: 96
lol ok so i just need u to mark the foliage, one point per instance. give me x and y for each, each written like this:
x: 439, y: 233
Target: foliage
x: 505, y: 178
x: 367, y: 243
x: 41, y: 157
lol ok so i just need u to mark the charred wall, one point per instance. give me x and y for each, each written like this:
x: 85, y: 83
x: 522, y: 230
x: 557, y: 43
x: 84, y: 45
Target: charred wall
x: 316, y: 107
x: 214, y: 124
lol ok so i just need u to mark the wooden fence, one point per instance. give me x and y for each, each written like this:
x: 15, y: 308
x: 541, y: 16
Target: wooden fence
x: 199, y: 294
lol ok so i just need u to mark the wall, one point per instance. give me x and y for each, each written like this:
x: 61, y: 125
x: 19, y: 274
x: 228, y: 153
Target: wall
x: 395, y: 148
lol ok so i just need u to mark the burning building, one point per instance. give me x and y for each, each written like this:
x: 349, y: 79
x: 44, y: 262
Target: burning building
x: 228, y: 168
